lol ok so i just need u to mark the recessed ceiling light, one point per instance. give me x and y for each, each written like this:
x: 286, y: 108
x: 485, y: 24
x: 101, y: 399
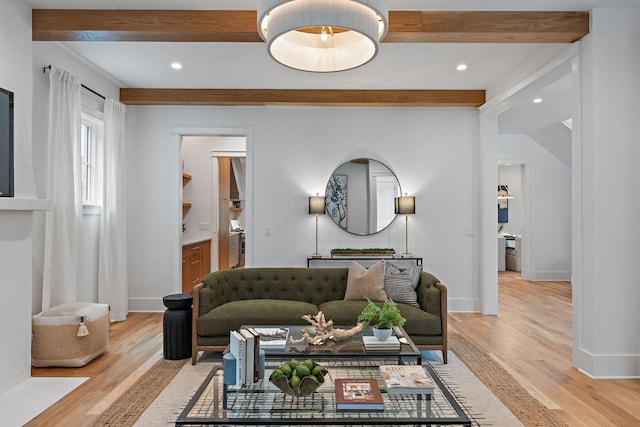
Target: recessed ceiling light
x: 537, y: 100
x: 176, y: 65
x: 461, y: 67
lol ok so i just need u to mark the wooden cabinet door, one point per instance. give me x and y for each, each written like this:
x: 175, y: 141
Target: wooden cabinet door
x: 196, y: 263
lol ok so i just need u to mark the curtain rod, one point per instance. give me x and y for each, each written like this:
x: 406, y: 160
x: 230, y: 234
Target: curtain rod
x: 48, y: 67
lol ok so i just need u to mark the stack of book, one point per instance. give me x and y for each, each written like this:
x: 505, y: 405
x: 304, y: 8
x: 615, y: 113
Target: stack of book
x: 273, y: 338
x: 244, y: 346
x: 374, y: 344
x: 406, y: 379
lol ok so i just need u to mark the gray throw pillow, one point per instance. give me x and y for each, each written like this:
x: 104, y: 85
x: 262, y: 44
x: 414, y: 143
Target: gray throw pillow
x: 400, y: 285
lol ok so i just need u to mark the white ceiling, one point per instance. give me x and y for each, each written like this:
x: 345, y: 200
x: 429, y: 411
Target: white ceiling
x: 397, y: 66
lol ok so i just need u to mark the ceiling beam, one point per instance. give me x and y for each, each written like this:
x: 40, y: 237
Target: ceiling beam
x: 264, y: 97
x: 240, y: 26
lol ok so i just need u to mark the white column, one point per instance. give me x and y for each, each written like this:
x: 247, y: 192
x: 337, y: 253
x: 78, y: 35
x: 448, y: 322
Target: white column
x: 606, y: 188
x: 488, y: 154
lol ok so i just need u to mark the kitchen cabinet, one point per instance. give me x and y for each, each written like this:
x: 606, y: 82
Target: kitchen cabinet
x: 234, y: 250
x: 224, y: 201
x: 196, y: 263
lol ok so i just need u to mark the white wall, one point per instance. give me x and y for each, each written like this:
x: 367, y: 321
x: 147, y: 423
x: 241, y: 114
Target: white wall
x: 548, y: 215
x: 291, y: 155
x: 15, y: 224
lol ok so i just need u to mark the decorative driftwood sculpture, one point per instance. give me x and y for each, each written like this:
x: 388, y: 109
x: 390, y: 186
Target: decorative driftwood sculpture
x: 324, y: 330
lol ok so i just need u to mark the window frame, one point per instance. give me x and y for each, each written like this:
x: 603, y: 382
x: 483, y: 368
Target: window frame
x: 94, y: 161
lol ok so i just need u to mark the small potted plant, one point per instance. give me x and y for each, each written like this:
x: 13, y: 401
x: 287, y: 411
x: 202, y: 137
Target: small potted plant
x: 381, y: 318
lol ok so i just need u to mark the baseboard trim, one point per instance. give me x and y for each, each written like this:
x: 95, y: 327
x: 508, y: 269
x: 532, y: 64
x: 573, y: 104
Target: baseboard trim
x: 146, y: 304
x: 607, y: 366
x: 463, y: 305
x: 550, y: 276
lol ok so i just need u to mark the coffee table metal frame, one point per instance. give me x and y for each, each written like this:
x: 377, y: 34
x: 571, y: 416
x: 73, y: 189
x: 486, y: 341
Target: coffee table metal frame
x: 350, y: 356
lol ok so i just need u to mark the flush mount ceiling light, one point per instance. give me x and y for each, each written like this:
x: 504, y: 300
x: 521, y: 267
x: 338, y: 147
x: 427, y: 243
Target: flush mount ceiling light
x: 323, y: 36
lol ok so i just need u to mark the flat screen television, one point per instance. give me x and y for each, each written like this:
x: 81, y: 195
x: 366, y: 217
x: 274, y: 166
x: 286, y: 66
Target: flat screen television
x: 6, y: 143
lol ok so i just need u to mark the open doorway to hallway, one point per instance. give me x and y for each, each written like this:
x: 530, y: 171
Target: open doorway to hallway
x: 214, y: 197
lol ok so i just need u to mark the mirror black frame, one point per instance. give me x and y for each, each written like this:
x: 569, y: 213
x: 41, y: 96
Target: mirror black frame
x: 337, y: 195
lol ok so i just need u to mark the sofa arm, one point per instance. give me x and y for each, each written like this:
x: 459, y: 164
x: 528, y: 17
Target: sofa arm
x: 195, y: 313
x: 429, y: 295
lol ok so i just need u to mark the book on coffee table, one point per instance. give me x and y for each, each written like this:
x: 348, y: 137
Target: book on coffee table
x: 373, y: 343
x: 273, y: 338
x: 406, y: 379
x: 360, y: 394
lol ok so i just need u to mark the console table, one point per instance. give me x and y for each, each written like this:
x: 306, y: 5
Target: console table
x: 366, y: 261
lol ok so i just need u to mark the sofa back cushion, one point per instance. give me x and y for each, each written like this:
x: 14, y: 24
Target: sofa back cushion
x: 311, y: 285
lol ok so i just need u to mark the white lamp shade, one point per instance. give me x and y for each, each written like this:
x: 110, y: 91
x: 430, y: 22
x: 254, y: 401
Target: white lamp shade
x: 365, y: 22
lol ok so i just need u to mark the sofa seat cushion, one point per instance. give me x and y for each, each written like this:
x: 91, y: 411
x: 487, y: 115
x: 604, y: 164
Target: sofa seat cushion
x: 345, y: 313
x: 420, y: 322
x: 232, y: 315
x: 342, y: 312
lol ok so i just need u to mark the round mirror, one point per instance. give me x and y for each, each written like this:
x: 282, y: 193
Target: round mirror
x: 360, y: 195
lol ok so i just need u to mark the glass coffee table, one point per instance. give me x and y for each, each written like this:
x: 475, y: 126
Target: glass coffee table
x: 262, y: 403
x: 350, y: 347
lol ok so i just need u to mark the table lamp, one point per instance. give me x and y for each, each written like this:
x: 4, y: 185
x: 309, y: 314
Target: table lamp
x: 317, y: 207
x: 405, y: 205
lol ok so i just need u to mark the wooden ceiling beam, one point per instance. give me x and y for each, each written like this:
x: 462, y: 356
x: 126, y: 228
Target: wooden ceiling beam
x: 266, y: 97
x: 240, y: 26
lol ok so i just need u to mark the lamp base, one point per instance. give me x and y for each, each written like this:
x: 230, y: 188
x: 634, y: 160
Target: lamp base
x: 406, y: 255
x: 316, y: 256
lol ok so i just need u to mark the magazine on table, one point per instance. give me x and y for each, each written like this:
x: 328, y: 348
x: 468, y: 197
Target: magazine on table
x: 406, y: 379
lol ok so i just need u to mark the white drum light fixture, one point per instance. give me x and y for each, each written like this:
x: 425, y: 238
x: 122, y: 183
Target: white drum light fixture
x: 323, y: 36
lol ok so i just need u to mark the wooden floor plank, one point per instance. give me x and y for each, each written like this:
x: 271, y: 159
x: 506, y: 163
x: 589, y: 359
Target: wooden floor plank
x: 530, y: 338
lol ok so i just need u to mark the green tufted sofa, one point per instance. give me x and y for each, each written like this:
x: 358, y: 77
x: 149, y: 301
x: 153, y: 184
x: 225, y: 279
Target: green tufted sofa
x: 228, y: 299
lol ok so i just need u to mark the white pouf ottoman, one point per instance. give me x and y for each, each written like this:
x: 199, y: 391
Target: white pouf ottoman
x: 69, y: 335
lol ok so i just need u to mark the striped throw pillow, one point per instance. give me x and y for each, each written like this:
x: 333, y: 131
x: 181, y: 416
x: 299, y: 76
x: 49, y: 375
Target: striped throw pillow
x: 400, y: 285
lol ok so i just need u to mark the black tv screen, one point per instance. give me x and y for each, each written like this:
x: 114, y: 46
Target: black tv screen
x: 6, y: 143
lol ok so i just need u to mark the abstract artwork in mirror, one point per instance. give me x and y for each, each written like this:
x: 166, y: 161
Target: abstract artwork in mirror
x: 360, y: 196
x: 336, y: 199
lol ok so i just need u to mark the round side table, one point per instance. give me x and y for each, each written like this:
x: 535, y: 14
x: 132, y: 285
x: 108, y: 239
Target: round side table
x: 176, y: 326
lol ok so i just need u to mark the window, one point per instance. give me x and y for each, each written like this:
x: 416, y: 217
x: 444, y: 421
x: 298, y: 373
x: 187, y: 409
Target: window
x: 91, y: 139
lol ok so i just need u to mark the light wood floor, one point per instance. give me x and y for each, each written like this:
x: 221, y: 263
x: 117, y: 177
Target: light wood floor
x: 530, y: 337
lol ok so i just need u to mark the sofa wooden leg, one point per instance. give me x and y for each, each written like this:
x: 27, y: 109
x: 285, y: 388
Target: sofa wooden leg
x: 444, y: 356
x: 194, y: 356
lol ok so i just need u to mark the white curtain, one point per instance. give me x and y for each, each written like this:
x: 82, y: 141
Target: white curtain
x: 64, y: 221
x: 113, y: 288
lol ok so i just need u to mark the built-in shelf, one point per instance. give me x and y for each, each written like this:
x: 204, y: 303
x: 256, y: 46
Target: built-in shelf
x: 185, y: 205
x: 235, y: 209
x: 185, y: 178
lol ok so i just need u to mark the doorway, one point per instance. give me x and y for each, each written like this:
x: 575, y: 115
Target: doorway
x: 199, y: 149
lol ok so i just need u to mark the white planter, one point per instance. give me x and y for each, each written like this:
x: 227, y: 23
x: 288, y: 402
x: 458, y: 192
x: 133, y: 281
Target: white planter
x: 382, y: 334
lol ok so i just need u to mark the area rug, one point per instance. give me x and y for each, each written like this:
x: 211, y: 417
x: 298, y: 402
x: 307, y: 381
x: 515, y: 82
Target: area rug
x: 159, y: 399
x: 478, y: 402
x: 515, y: 397
x: 127, y: 408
